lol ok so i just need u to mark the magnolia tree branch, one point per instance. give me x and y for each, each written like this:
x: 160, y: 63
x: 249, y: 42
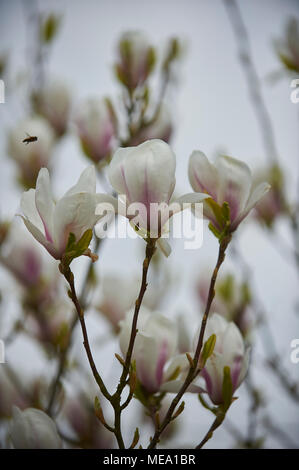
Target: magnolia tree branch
x: 193, y: 370
x: 252, y: 78
x: 63, y: 356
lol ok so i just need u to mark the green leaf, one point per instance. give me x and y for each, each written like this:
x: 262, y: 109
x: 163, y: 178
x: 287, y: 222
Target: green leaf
x: 49, y: 28
x: 227, y: 388
x: 74, y: 250
x: 207, y: 350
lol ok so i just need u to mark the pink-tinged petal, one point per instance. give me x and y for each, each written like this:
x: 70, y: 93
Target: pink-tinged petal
x: 144, y: 173
x: 29, y: 210
x: 244, y: 367
x: 254, y: 198
x: 208, y: 380
x: 86, y: 182
x: 235, y: 371
x: 40, y: 237
x: 202, y: 174
x: 234, y: 184
x: 162, y: 358
x: 44, y: 202
x: 73, y: 214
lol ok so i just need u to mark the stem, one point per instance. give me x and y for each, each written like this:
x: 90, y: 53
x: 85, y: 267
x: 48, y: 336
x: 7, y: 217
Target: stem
x: 116, y: 398
x: 150, y: 250
x: 216, y: 423
x: 193, y: 370
x: 64, y: 353
x: 70, y: 279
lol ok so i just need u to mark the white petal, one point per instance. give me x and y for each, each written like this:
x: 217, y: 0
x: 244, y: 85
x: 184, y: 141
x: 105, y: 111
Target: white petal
x: 44, y: 202
x: 202, y: 174
x: 164, y: 246
x: 73, y: 214
x: 86, y: 182
x: 145, y: 173
x: 234, y: 184
x: 29, y: 210
x: 254, y: 198
x: 39, y: 236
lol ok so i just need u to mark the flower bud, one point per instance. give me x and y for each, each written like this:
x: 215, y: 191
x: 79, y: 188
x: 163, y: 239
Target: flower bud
x: 229, y: 351
x: 53, y: 102
x: 33, y: 429
x: 229, y: 181
x: 96, y: 126
x: 136, y: 59
x: 155, y: 343
x: 288, y: 48
x: 31, y: 157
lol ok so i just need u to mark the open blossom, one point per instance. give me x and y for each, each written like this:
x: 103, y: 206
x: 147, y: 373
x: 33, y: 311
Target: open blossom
x: 51, y: 223
x: 229, y: 352
x: 30, y: 158
x: 288, y: 48
x: 230, y: 181
x: 136, y: 59
x: 53, y: 102
x: 155, y: 344
x: 144, y: 178
x: 33, y: 429
x: 96, y: 127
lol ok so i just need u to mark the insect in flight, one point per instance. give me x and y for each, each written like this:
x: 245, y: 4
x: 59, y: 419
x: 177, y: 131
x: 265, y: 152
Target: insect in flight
x: 29, y: 139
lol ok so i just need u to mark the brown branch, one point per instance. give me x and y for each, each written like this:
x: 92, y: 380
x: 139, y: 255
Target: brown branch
x: 193, y: 370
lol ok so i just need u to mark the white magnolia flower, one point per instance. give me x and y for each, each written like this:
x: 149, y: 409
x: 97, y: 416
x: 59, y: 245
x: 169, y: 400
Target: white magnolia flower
x: 230, y: 181
x: 30, y: 158
x: 136, y: 58
x: 53, y: 102
x: 144, y: 178
x: 155, y: 343
x: 229, y: 352
x: 33, y: 429
x: 51, y: 223
x: 96, y: 125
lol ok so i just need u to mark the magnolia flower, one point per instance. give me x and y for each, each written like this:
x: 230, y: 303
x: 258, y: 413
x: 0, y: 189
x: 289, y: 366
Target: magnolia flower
x: 96, y: 125
x: 144, y: 178
x: 23, y: 260
x: 160, y: 128
x: 230, y: 181
x: 229, y: 352
x: 288, y: 48
x: 136, y: 59
x: 33, y: 429
x: 53, y: 102
x: 30, y: 158
x: 155, y: 343
x: 52, y: 223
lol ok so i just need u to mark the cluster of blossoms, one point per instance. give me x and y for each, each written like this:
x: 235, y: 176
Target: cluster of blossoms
x: 146, y: 175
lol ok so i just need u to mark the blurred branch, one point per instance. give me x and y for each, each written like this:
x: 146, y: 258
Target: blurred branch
x: 253, y: 82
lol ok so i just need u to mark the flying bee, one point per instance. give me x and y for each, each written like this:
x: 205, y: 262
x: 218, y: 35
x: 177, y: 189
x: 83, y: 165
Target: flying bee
x: 29, y: 139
